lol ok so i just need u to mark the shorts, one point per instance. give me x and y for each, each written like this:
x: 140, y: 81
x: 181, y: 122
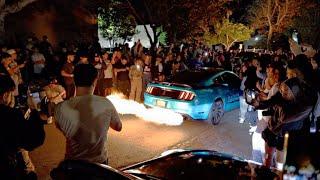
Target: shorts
x: 107, y: 83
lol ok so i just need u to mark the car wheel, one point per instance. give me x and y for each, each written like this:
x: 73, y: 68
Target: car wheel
x: 217, y: 111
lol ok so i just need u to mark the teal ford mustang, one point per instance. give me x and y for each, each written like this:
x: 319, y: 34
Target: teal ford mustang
x: 200, y: 94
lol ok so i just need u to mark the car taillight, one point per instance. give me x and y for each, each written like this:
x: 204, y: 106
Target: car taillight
x: 188, y: 96
x: 149, y: 90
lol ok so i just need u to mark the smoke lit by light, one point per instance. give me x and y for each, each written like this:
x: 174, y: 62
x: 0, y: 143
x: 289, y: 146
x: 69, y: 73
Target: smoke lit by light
x: 155, y: 115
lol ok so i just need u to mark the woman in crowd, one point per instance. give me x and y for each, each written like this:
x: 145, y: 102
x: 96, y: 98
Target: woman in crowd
x: 275, y: 75
x: 288, y: 109
x: 107, y: 72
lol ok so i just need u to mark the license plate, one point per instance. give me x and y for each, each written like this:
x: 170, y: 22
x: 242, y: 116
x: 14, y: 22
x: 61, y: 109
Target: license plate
x: 161, y: 103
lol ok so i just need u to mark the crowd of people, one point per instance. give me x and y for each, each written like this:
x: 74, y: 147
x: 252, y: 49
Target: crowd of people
x: 284, y: 86
x: 282, y: 92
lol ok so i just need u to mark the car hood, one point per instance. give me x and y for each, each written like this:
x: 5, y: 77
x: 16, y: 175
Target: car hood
x: 200, y: 164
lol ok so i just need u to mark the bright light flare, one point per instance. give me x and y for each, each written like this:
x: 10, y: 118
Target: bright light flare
x: 155, y: 115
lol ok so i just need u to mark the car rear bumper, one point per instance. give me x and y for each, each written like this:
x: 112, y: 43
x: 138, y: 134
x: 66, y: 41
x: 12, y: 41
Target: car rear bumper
x: 188, y: 108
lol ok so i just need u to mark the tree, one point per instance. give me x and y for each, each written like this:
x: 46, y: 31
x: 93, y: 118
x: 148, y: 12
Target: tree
x: 274, y: 15
x: 203, y: 15
x: 10, y: 8
x: 308, y: 24
x: 162, y: 37
x: 115, y: 22
x: 227, y: 33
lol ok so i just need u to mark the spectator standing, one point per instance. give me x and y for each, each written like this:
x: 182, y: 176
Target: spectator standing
x: 4, y: 66
x: 45, y: 47
x: 67, y: 74
x: 117, y: 56
x: 38, y: 63
x: 315, y: 61
x: 275, y: 75
x: 147, y: 76
x: 107, y: 71
x: 158, y: 68
x: 138, y: 49
x: 83, y: 58
x: 121, y: 70
x: 135, y: 75
x: 16, y: 134
x: 167, y: 66
x: 198, y: 63
x: 85, y: 119
x: 15, y: 72
x: 97, y: 63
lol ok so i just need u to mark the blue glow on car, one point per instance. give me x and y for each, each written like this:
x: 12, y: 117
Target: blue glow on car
x: 199, y: 107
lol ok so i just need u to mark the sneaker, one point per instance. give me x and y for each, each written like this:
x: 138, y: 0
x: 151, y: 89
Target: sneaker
x: 241, y: 120
x: 252, y: 129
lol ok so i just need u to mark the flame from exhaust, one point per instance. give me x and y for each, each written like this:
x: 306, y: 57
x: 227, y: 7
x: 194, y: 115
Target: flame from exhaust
x: 155, y: 115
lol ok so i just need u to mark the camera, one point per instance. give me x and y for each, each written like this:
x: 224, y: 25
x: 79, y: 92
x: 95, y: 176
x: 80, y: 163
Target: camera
x: 250, y: 95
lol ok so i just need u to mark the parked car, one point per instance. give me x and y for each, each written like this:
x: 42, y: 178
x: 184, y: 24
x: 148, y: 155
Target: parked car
x: 200, y: 164
x: 77, y: 169
x: 199, y: 94
x: 173, y: 164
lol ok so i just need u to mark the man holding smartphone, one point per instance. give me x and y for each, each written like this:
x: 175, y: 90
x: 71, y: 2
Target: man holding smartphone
x: 17, y: 134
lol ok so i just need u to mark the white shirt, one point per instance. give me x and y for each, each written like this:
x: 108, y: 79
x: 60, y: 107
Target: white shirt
x: 108, y: 72
x: 35, y: 58
x: 85, y: 121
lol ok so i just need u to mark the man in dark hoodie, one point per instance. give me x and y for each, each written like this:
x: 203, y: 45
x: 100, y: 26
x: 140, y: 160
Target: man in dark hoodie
x: 16, y: 133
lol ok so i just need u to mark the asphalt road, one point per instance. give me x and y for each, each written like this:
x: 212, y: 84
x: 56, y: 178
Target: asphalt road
x: 140, y: 140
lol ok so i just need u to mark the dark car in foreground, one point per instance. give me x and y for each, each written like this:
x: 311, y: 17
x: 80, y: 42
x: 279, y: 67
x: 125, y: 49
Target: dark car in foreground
x: 203, y: 94
x: 200, y: 164
x: 173, y: 164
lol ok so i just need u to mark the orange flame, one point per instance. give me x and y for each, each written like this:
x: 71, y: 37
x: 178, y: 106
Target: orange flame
x: 155, y: 115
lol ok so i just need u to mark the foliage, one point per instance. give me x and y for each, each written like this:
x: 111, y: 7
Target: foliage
x: 227, y: 33
x: 179, y: 18
x: 308, y: 24
x: 274, y: 16
x: 162, y: 37
x: 115, y: 22
x: 203, y: 14
x: 10, y: 7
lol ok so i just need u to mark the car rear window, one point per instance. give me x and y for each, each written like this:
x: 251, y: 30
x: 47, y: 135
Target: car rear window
x: 193, y: 78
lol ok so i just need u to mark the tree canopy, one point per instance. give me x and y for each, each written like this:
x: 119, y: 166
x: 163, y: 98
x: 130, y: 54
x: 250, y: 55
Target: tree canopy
x: 115, y: 22
x: 227, y: 33
x: 273, y: 16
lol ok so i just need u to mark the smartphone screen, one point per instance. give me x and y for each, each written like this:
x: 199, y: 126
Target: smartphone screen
x: 36, y: 97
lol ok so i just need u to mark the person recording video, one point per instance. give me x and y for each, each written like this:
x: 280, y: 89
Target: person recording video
x: 16, y: 133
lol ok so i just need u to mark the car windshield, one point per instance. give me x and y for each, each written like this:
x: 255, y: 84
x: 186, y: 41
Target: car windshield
x: 196, y: 166
x: 194, y: 78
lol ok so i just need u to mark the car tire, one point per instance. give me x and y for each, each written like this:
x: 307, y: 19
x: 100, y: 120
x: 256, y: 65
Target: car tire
x: 216, y: 112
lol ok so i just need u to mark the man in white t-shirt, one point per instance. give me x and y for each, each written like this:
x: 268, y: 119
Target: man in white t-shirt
x: 38, y: 61
x: 85, y: 119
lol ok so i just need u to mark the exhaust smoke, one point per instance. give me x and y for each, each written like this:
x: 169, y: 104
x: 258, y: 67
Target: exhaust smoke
x: 155, y: 115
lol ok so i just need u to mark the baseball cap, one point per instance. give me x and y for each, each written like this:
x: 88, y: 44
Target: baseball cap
x: 11, y: 51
